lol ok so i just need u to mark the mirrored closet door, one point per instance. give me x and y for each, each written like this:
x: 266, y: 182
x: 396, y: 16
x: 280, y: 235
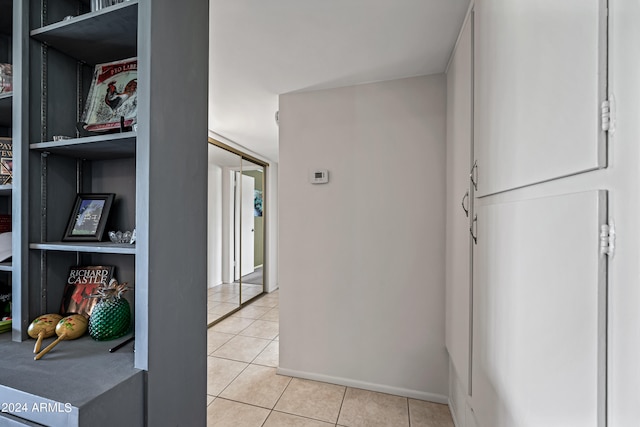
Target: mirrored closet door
x: 251, y: 236
x: 236, y: 237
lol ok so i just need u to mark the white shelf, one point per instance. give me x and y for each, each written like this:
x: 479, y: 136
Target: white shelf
x: 108, y: 146
x: 88, y: 247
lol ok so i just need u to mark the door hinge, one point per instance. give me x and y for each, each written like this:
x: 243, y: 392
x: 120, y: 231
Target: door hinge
x: 607, y: 239
x: 605, y: 114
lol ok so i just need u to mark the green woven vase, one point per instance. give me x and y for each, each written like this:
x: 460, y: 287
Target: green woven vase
x: 111, y: 316
x: 110, y: 319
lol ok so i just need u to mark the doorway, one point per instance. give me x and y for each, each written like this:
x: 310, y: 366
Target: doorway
x: 236, y: 230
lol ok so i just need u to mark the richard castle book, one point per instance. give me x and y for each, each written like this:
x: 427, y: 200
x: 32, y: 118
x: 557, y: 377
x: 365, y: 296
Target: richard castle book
x: 81, y: 283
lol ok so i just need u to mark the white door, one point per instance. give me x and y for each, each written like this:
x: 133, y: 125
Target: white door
x: 539, y: 313
x: 247, y: 261
x: 540, y: 80
x: 459, y: 201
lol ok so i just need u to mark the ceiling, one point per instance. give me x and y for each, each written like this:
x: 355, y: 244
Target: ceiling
x: 260, y: 49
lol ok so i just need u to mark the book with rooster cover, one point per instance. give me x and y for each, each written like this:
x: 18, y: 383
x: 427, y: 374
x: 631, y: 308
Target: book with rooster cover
x: 82, y: 282
x: 113, y: 95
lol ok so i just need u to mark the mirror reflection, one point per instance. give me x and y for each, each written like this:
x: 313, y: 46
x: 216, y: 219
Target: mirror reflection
x: 236, y: 249
x: 251, y: 231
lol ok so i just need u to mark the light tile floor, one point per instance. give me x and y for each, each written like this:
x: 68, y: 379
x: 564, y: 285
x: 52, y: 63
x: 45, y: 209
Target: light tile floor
x: 223, y: 299
x: 243, y: 389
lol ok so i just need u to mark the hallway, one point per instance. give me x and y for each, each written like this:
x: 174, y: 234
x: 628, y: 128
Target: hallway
x: 243, y: 389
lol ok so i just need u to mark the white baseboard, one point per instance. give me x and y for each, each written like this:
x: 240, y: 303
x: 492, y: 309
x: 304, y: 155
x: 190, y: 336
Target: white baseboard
x: 268, y: 288
x: 398, y: 391
x: 453, y: 414
x: 213, y: 286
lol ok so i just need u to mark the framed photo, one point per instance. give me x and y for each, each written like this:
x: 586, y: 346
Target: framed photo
x: 88, y: 217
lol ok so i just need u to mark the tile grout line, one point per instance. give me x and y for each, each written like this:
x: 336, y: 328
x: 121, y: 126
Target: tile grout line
x: 302, y: 416
x: 245, y: 403
x: 236, y: 377
x: 252, y: 363
x: 278, y: 400
x: 344, y: 395
x: 231, y: 382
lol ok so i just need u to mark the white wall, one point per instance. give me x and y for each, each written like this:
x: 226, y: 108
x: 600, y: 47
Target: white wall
x: 214, y: 224
x: 362, y: 258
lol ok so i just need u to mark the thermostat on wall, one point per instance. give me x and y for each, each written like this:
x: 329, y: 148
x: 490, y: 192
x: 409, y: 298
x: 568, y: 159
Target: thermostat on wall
x: 319, y: 176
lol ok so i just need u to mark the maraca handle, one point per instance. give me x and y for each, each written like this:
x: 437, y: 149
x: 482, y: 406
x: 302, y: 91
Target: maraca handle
x: 48, y: 348
x: 36, y: 348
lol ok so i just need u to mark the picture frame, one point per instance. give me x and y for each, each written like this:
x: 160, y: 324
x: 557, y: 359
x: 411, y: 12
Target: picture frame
x: 88, y: 218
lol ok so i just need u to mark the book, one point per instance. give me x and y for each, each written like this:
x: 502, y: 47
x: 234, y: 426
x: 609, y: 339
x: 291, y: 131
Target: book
x: 82, y: 282
x: 5, y: 223
x: 6, y: 161
x: 6, y: 78
x: 113, y: 95
x: 6, y: 247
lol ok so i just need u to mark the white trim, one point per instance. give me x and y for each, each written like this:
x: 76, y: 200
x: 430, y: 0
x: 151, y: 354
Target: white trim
x: 239, y: 147
x: 453, y: 413
x: 464, y: 24
x: 210, y: 286
x: 398, y: 391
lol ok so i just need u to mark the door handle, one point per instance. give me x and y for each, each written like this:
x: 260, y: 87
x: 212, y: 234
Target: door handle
x: 465, y: 208
x: 473, y: 229
x: 473, y: 176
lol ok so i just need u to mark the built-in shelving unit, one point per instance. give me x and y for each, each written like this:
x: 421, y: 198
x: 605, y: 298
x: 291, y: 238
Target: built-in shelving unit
x: 60, y: 167
x: 60, y: 59
x: 157, y: 173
